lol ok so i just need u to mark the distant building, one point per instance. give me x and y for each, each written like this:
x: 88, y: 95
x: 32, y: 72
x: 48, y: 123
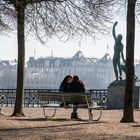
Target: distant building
x: 49, y: 72
x: 7, y: 74
x: 137, y: 70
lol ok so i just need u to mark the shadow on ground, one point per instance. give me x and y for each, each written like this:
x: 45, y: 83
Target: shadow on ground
x: 136, y: 125
x: 56, y: 119
x: 60, y: 132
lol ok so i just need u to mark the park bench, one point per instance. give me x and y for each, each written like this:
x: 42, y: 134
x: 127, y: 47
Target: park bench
x: 83, y: 100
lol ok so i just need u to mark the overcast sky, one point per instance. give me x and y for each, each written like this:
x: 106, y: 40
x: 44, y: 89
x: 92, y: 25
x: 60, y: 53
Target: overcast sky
x: 90, y: 48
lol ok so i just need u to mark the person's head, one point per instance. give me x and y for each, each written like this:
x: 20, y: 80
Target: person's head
x: 68, y: 79
x: 119, y: 37
x: 76, y: 77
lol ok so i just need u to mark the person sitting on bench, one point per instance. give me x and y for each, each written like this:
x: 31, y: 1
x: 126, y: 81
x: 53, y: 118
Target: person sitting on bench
x: 65, y: 86
x: 76, y: 86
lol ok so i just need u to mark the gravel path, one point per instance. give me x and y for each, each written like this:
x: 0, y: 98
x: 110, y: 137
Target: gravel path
x: 35, y: 127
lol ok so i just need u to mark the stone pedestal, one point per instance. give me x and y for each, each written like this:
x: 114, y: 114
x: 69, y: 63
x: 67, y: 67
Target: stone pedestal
x: 116, y: 93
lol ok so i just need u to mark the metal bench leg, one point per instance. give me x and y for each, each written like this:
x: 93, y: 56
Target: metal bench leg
x: 100, y: 114
x: 54, y: 112
x: 0, y: 112
x: 1, y: 108
x: 90, y: 114
x: 44, y: 112
x: 51, y: 116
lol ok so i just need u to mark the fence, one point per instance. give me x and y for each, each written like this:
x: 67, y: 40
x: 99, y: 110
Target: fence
x: 30, y: 99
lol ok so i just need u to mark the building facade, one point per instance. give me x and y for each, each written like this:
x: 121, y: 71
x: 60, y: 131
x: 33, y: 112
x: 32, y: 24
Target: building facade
x: 48, y: 72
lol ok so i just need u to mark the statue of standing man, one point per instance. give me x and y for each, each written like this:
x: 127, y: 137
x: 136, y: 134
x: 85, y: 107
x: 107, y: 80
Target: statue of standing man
x: 118, y: 52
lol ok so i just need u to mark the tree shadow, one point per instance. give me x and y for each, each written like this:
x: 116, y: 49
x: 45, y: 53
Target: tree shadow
x: 74, y: 130
x: 50, y: 126
x: 59, y: 132
x: 136, y: 126
x: 56, y: 119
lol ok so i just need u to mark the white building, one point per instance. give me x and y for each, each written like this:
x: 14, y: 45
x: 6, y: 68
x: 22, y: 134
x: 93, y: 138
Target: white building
x: 8, y: 75
x: 49, y: 72
x: 137, y: 73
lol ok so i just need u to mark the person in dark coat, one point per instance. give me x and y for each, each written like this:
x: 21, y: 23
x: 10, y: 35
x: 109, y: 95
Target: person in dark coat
x: 76, y: 86
x: 65, y: 85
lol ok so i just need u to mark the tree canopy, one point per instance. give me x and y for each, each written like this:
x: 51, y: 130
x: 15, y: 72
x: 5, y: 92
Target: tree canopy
x: 61, y: 18
x: 7, y: 17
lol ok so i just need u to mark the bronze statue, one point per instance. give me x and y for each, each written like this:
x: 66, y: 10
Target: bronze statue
x: 118, y: 51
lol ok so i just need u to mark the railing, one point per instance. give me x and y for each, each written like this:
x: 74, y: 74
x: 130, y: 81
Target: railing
x: 30, y: 99
x: 98, y: 93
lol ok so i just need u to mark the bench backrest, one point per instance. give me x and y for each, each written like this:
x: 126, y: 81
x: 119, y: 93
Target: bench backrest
x: 72, y: 97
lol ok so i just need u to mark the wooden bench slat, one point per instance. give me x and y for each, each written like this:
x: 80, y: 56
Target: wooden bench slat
x: 64, y: 96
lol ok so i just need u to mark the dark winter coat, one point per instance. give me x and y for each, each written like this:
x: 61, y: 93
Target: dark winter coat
x: 77, y: 86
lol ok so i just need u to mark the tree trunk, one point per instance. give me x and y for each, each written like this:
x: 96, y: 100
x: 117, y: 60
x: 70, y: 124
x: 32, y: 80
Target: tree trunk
x: 21, y: 61
x: 128, y: 115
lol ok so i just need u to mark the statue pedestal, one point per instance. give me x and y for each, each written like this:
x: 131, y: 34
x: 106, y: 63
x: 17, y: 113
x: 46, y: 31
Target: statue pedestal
x: 116, y: 93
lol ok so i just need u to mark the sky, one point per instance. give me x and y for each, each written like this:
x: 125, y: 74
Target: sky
x: 90, y: 48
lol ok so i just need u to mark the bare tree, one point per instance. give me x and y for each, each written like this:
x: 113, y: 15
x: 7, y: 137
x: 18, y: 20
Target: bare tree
x: 46, y: 18
x: 128, y: 115
x: 7, y: 17
x: 73, y: 17
x: 131, y: 8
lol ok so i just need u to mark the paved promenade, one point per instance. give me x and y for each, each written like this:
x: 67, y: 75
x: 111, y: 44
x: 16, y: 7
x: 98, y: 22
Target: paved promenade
x: 35, y: 127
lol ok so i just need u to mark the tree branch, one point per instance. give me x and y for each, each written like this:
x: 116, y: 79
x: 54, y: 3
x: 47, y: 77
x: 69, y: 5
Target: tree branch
x: 38, y: 1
